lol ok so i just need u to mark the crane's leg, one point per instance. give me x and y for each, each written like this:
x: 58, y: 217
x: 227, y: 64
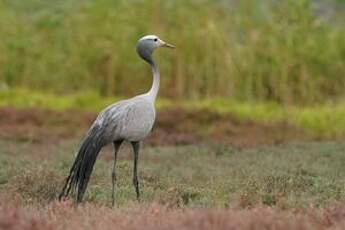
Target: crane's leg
x: 136, y: 146
x: 117, y: 145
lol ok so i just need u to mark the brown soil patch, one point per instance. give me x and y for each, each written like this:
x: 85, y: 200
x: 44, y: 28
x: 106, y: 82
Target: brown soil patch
x: 173, y: 127
x: 38, y: 125
x: 178, y: 126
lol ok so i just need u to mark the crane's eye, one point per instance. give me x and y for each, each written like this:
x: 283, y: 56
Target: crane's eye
x: 155, y: 39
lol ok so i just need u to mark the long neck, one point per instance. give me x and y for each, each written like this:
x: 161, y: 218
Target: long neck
x: 152, y: 94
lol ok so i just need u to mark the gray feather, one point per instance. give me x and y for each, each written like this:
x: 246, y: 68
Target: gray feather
x: 130, y: 120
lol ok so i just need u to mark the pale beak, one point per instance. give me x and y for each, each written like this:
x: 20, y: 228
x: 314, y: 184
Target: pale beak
x: 168, y: 45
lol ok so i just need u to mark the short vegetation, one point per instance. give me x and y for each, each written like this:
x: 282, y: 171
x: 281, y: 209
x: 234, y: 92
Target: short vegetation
x: 194, y: 187
x: 290, y: 176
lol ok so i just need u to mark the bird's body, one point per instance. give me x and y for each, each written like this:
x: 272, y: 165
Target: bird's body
x: 127, y: 120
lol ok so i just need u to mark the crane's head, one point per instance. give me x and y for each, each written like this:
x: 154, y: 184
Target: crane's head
x: 147, y: 44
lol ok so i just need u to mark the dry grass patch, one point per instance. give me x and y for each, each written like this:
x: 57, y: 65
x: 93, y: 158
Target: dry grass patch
x: 65, y: 215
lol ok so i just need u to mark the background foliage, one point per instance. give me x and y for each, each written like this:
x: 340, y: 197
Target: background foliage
x: 290, y: 52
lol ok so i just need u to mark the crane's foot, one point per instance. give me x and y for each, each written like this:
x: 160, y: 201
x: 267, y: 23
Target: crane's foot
x: 136, y: 186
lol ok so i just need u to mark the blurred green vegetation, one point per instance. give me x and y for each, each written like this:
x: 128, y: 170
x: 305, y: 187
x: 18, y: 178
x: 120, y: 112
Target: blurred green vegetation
x: 289, y: 52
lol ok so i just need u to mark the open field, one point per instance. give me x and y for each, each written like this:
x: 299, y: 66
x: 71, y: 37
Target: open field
x: 250, y: 124
x: 244, y: 176
x: 290, y: 176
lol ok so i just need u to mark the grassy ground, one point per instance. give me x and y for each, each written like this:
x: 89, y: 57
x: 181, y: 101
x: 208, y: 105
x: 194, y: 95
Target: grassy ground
x: 289, y: 176
x: 297, y: 185
x: 196, y: 183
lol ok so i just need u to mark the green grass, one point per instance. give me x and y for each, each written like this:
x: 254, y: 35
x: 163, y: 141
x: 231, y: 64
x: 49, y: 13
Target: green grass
x: 87, y: 101
x: 326, y: 121
x: 289, y: 51
x: 23, y: 98
x: 290, y: 176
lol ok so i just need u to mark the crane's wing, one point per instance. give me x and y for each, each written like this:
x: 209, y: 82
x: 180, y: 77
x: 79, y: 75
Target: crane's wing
x: 97, y: 136
x: 126, y: 119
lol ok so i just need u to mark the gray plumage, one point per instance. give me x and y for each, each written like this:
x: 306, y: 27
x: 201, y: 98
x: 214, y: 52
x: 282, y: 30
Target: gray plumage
x: 128, y: 120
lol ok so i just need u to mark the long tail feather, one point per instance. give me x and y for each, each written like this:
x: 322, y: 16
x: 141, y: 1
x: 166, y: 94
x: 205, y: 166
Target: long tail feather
x: 82, y: 167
